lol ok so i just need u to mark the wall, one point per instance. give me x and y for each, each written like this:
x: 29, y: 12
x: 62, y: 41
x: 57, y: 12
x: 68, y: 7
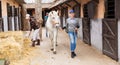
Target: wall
x: 101, y: 9
x: 80, y: 31
x: 96, y: 33
x: 4, y: 7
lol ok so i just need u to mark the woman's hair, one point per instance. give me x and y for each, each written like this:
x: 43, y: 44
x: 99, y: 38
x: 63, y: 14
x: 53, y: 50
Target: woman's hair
x: 32, y: 18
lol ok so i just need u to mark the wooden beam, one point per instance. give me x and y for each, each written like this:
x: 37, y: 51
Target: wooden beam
x: 68, y: 1
x: 97, y: 1
x: 57, y: 8
x: 76, y: 2
x: 68, y: 4
x: 61, y: 6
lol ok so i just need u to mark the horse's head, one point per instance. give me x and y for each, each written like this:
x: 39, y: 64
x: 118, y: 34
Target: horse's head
x: 55, y: 19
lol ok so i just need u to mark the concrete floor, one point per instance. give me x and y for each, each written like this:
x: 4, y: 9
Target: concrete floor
x: 86, y: 55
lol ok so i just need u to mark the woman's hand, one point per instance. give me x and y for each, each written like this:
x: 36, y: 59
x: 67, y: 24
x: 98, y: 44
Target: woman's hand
x: 76, y: 29
x: 60, y: 29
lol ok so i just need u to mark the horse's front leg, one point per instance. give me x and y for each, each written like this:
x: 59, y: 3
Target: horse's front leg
x: 55, y: 40
x: 51, y: 39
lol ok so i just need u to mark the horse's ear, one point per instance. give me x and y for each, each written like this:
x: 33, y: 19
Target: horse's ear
x: 50, y: 14
x: 57, y: 11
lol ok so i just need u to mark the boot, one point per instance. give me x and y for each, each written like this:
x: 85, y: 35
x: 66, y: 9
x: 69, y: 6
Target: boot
x: 38, y: 42
x: 73, y: 54
x: 33, y: 44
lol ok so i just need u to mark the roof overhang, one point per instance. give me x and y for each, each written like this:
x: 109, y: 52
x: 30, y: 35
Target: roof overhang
x: 32, y: 5
x: 20, y: 1
x: 58, y: 2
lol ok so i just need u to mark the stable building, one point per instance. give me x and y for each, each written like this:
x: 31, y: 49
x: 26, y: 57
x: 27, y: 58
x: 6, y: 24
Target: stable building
x: 11, y: 15
x: 99, y: 21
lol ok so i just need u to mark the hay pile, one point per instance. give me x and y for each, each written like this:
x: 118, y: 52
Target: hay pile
x: 26, y: 46
x: 13, y: 45
x: 18, y: 36
x: 10, y: 49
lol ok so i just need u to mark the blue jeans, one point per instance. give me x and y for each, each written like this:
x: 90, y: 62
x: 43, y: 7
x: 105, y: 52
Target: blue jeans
x: 73, y: 38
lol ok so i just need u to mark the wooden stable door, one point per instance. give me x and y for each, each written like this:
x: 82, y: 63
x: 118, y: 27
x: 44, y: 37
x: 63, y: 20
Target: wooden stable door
x: 110, y: 38
x: 86, y: 30
x: 1, y: 20
x: 1, y: 25
x: 0, y: 10
x: 9, y: 16
x: 86, y: 26
x: 19, y: 20
x: 15, y: 18
x: 110, y: 28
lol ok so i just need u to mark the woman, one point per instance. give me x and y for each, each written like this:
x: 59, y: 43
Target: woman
x: 35, y: 26
x: 72, y: 26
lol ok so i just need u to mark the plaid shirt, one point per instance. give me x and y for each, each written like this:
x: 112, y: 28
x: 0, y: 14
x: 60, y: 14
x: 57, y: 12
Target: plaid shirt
x: 33, y: 24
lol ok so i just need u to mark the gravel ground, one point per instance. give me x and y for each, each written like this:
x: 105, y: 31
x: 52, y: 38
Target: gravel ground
x: 86, y: 55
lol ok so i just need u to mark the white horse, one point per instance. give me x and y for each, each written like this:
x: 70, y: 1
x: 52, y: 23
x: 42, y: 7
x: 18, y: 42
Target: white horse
x: 52, y: 25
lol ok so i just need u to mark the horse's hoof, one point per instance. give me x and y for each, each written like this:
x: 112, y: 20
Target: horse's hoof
x: 52, y: 49
x: 54, y: 52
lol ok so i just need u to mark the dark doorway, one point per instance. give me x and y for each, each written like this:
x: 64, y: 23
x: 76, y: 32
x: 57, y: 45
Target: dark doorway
x: 92, y: 7
x: 66, y: 13
x: 31, y: 11
x: 61, y: 17
x: 44, y: 14
x: 64, y: 16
